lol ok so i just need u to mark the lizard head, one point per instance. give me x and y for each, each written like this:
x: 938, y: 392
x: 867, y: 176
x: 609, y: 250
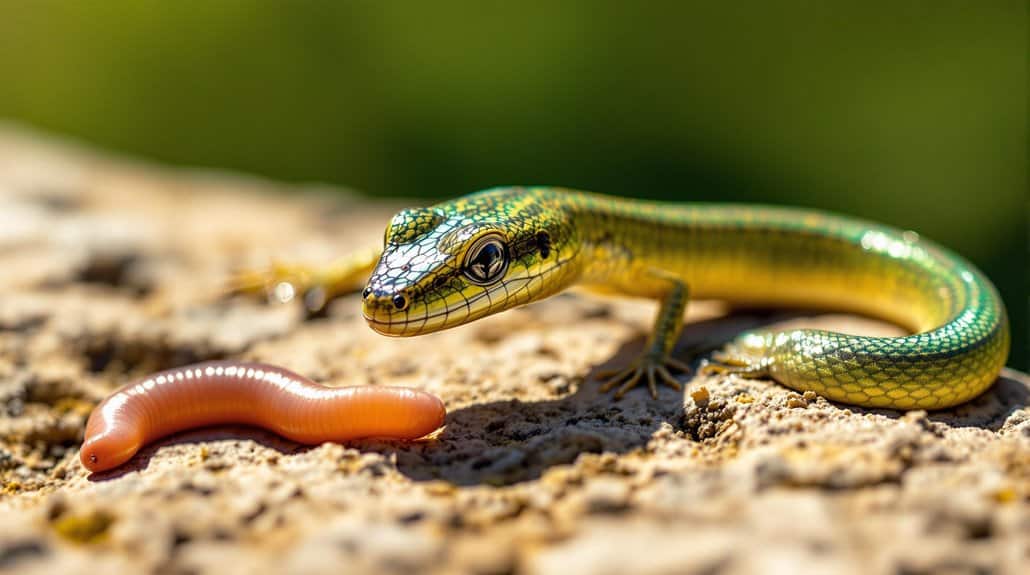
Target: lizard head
x: 461, y: 260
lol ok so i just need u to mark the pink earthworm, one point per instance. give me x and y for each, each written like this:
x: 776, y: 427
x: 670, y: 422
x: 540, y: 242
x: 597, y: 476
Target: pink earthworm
x: 267, y: 396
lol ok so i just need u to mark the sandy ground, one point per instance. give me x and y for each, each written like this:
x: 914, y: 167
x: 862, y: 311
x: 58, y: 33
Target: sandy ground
x: 113, y: 269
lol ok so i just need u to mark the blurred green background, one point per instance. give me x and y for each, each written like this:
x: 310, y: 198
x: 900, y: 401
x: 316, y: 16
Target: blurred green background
x: 912, y: 113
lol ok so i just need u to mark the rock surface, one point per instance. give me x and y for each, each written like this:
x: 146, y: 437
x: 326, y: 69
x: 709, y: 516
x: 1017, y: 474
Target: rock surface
x: 113, y: 269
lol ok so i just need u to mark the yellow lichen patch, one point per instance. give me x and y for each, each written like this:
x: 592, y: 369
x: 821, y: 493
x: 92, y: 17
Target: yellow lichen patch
x: 700, y: 395
x: 797, y: 402
x: 829, y: 452
x: 87, y: 528
x: 440, y: 488
x: 73, y: 405
x: 1006, y: 494
x: 745, y: 398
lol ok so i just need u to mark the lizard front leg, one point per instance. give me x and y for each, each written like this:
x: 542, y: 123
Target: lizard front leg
x: 316, y: 284
x: 654, y: 363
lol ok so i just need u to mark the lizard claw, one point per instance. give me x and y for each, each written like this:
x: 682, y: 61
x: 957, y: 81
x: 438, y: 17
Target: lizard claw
x: 653, y: 369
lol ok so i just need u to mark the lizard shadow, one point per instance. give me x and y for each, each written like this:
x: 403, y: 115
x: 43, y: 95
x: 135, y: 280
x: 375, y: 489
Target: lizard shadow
x: 507, y: 442
x: 511, y: 441
x: 988, y: 411
x: 992, y: 409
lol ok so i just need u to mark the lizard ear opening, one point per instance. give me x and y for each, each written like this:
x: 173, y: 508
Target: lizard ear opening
x: 543, y: 244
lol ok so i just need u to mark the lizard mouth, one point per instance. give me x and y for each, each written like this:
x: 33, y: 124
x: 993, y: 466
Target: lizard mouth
x: 418, y: 318
x: 408, y: 322
x: 437, y: 310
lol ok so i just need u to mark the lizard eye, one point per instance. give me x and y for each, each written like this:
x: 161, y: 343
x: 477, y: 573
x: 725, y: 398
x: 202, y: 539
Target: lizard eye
x: 486, y: 261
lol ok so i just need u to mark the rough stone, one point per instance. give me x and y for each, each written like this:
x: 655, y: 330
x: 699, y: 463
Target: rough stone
x: 115, y: 268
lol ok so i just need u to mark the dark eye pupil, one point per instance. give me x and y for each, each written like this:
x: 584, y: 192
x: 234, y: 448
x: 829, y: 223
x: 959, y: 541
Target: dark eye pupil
x: 399, y: 301
x: 488, y: 256
x: 487, y: 263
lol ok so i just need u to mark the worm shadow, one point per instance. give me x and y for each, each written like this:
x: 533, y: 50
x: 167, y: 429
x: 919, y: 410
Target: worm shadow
x: 141, y: 460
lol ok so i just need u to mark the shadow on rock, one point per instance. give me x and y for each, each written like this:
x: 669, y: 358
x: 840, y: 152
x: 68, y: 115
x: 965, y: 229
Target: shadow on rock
x: 198, y: 437
x: 506, y: 442
x: 991, y: 409
x: 511, y: 441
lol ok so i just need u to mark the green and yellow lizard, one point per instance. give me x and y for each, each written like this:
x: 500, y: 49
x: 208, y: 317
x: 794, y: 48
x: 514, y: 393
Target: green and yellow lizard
x: 460, y: 260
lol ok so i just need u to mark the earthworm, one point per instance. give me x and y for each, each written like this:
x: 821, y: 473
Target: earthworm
x: 258, y: 394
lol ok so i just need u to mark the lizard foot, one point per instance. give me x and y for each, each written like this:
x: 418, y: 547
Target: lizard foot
x: 648, y: 366
x: 739, y: 360
x: 316, y: 284
x: 279, y: 282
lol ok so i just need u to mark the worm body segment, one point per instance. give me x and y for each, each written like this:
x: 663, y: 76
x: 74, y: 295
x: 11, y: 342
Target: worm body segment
x: 262, y: 395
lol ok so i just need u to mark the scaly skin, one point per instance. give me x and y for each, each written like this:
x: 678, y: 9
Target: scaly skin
x: 757, y: 255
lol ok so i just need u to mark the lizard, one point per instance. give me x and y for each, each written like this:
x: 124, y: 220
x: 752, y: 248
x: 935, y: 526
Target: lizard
x: 486, y: 252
